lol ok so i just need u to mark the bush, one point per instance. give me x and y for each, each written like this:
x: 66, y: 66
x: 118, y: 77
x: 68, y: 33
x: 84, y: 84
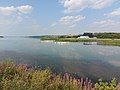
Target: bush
x: 20, y: 77
x: 112, y: 85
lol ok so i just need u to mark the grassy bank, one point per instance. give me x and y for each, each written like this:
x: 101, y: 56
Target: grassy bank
x: 113, y: 42
x: 20, y: 77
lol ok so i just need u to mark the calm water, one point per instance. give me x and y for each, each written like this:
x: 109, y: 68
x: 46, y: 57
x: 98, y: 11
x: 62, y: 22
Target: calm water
x: 94, y: 61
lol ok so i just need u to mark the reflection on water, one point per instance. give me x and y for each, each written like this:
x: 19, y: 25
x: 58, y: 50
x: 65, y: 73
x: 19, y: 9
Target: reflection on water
x: 92, y: 61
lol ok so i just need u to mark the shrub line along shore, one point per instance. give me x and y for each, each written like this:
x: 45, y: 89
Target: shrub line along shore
x: 20, y: 77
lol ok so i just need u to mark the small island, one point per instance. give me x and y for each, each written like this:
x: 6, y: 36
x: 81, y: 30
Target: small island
x: 101, y: 38
x: 1, y: 37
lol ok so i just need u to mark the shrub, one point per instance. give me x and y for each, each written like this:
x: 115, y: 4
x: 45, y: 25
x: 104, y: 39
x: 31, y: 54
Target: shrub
x: 20, y: 77
x: 112, y: 85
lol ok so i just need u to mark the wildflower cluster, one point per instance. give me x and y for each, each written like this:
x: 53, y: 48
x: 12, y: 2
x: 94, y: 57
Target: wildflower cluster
x: 20, y: 77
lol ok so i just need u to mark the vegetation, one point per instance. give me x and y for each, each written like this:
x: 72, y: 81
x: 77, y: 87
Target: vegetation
x: 21, y: 77
x: 103, y: 35
x: 108, y: 35
x: 1, y: 36
x: 113, y: 42
x: 112, y: 85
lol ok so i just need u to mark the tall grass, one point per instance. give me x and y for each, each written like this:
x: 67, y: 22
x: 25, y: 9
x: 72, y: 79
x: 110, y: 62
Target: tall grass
x: 21, y: 77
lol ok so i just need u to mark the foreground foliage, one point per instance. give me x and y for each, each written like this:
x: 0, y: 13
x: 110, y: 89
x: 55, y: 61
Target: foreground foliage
x: 20, y: 77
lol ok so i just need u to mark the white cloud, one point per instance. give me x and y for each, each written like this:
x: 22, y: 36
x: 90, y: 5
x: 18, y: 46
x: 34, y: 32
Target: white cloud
x: 7, y: 10
x: 11, y: 10
x: 99, y: 4
x: 25, y: 9
x: 14, y: 15
x: 105, y: 25
x: 11, y: 21
x: 77, y: 5
x: 71, y: 21
x: 115, y: 12
x: 53, y: 24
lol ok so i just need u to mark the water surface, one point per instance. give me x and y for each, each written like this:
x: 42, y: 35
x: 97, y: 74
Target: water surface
x: 94, y: 61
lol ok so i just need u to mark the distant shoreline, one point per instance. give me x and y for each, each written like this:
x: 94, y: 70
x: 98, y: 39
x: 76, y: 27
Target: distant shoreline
x: 112, y: 42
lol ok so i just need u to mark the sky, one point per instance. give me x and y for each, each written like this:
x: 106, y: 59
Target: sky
x: 58, y: 17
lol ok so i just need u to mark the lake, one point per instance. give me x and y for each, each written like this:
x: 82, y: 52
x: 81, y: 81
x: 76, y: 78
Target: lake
x: 93, y: 61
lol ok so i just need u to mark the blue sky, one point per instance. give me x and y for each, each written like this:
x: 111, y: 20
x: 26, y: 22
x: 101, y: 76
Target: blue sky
x: 43, y: 17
